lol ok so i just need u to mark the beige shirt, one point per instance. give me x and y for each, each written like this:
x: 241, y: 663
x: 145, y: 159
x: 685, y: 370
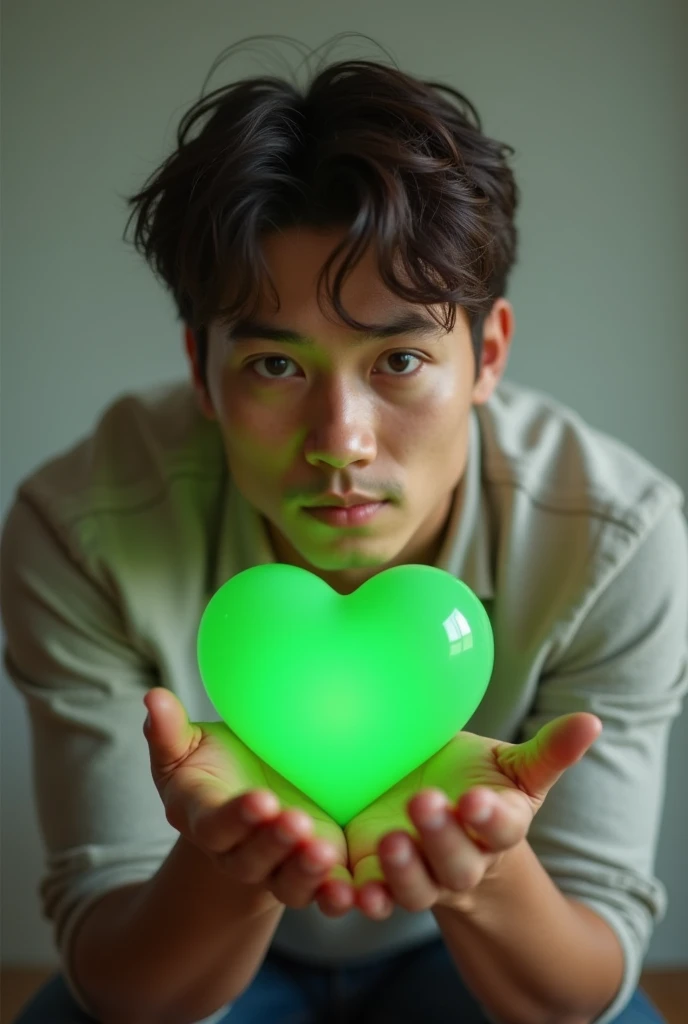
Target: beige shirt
x: 575, y: 544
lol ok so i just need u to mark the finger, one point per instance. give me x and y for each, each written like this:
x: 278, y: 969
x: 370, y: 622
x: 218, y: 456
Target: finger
x: 268, y: 846
x: 404, y: 873
x: 494, y: 821
x: 372, y: 897
x: 296, y: 882
x: 540, y: 761
x: 408, y: 879
x: 563, y: 741
x: 454, y: 860
x: 170, y: 735
x: 336, y: 895
x: 218, y: 824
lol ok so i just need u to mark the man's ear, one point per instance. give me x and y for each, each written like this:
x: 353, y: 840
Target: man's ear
x: 204, y: 402
x: 498, y: 331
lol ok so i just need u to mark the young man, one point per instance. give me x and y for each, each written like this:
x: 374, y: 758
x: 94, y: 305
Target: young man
x: 339, y: 257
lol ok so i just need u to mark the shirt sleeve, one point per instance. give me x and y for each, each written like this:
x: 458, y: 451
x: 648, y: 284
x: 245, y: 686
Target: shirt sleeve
x: 68, y: 651
x: 597, y: 831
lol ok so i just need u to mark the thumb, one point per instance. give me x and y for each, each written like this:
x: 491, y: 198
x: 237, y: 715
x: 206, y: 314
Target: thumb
x: 539, y: 762
x: 171, y: 737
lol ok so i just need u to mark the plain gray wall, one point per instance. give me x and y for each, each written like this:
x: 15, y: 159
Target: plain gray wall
x: 592, y: 94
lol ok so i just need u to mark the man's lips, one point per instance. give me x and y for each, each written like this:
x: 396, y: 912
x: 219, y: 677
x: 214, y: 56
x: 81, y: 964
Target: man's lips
x: 351, y: 515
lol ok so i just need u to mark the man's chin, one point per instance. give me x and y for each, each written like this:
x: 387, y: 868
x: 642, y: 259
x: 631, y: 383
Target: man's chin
x: 344, y: 562
x: 344, y: 554
x: 348, y: 554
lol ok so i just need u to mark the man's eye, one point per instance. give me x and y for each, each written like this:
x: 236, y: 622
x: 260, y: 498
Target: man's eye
x: 403, y: 364
x: 274, y: 365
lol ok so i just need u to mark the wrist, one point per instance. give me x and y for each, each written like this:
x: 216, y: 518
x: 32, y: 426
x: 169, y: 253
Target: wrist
x: 248, y: 900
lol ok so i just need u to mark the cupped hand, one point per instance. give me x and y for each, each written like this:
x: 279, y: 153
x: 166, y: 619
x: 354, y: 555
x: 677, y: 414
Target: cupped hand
x: 447, y: 825
x: 247, y: 817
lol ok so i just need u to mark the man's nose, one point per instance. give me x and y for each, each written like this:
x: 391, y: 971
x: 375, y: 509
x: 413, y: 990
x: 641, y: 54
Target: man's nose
x: 341, y: 428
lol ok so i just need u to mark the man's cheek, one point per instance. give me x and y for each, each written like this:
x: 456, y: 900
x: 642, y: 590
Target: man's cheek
x: 251, y: 467
x: 268, y: 439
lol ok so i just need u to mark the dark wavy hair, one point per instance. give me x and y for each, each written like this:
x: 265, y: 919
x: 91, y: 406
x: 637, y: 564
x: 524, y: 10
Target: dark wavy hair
x: 362, y: 146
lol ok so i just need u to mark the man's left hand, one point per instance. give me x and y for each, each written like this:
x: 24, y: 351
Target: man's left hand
x: 468, y: 805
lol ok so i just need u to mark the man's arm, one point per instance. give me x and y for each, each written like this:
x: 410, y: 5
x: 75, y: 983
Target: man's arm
x: 529, y: 954
x: 176, y: 948
x: 151, y: 949
x: 174, y: 938
x: 189, y: 941
x: 528, y: 941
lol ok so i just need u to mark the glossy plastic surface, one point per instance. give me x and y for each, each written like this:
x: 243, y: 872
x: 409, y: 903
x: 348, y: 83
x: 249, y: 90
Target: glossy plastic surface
x: 344, y: 696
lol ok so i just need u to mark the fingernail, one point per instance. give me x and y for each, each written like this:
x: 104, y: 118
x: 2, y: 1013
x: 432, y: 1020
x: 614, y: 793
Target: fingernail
x: 432, y: 813
x: 341, y: 897
x: 284, y: 836
x: 310, y: 866
x: 399, y: 855
x: 251, y: 816
x: 435, y: 821
x: 434, y: 818
x: 377, y: 904
x: 266, y: 807
x: 482, y: 812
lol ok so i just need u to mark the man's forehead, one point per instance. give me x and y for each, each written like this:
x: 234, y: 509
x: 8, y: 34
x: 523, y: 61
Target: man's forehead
x: 291, y: 301
x: 407, y: 322
x: 295, y: 260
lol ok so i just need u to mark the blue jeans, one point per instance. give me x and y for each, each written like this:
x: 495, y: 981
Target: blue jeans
x: 419, y: 986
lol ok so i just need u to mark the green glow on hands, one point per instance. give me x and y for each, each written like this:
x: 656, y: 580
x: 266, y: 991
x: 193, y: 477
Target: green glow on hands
x: 344, y: 696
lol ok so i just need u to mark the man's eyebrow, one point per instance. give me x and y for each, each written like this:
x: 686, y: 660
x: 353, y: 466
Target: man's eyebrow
x: 406, y: 323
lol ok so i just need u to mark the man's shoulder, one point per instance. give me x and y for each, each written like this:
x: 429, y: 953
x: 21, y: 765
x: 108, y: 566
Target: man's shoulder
x: 539, y: 446
x: 139, y: 443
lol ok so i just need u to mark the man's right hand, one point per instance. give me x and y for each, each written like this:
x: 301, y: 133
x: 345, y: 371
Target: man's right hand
x: 247, y: 817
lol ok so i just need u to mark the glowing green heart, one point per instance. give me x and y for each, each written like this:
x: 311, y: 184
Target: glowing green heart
x: 344, y: 696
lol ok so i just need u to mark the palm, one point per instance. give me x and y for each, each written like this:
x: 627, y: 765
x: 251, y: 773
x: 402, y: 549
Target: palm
x: 221, y: 760
x: 466, y: 761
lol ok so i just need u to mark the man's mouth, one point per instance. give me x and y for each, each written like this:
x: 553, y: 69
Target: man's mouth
x: 346, y: 515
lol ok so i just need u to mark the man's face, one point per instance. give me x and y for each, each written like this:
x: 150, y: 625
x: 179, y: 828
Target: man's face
x: 315, y: 422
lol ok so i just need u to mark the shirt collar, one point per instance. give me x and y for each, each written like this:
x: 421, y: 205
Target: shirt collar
x: 244, y: 540
x: 465, y: 552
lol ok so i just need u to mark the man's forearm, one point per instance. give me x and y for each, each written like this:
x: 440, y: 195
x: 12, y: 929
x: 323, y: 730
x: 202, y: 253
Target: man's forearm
x: 528, y: 953
x: 176, y: 948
